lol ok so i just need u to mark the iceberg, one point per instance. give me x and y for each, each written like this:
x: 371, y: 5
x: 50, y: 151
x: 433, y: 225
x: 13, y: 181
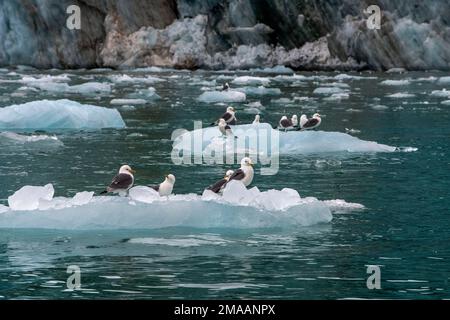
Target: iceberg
x: 87, y: 88
x: 444, y: 80
x: 249, y: 80
x: 222, y: 96
x: 329, y: 90
x: 255, y: 138
x: 259, y: 91
x: 240, y: 208
x: 401, y: 95
x: 127, y: 101
x: 395, y: 82
x: 127, y: 79
x: 441, y: 93
x: 146, y: 94
x: 41, y: 141
x: 59, y: 114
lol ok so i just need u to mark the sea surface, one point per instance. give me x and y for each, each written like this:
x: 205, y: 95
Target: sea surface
x: 404, y: 228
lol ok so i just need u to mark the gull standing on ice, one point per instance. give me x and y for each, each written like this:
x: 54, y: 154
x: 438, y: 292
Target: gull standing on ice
x: 225, y: 129
x: 287, y: 124
x: 122, y: 182
x: 218, y: 186
x: 309, y: 124
x: 257, y: 118
x: 245, y: 173
x: 229, y: 116
x: 165, y: 188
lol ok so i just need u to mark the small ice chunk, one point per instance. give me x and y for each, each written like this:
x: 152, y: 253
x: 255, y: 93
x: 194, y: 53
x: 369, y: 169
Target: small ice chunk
x: 127, y: 101
x: 222, y: 96
x: 3, y: 208
x: 28, y: 197
x: 379, y: 107
x: 249, y: 80
x: 446, y: 102
x: 207, y: 195
x: 127, y: 79
x: 85, y: 88
x: 82, y: 198
x: 259, y: 91
x: 337, y: 97
x: 396, y: 70
x: 400, y: 95
x: 328, y: 90
x: 235, y: 192
x: 395, y: 82
x: 444, y: 80
x: 143, y: 194
x: 441, y: 93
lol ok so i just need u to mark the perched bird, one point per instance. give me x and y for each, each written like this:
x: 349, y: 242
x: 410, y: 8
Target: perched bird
x: 257, y: 118
x: 225, y: 87
x: 229, y: 116
x: 294, y: 120
x: 310, y: 124
x: 122, y: 182
x: 287, y: 124
x: 225, y: 129
x: 303, y: 120
x: 165, y: 188
x: 244, y: 173
x: 219, y: 185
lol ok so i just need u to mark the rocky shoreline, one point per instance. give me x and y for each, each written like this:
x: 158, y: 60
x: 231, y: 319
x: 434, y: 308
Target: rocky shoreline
x: 232, y: 34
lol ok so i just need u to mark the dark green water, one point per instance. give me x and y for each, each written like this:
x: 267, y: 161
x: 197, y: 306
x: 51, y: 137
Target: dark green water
x: 403, y: 228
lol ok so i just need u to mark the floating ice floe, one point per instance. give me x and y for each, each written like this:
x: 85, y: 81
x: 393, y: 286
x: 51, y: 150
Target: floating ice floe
x: 344, y: 76
x: 395, y: 82
x: 35, y: 207
x: 59, y: 114
x: 441, y: 93
x: 259, y: 91
x: 446, y: 102
x: 400, y: 95
x: 85, y: 88
x: 30, y: 141
x: 444, y: 80
x: 147, y: 94
x: 222, y: 96
x: 128, y: 101
x: 329, y: 90
x: 127, y: 79
x: 263, y: 139
x: 379, y: 107
x: 338, y: 96
x: 249, y: 80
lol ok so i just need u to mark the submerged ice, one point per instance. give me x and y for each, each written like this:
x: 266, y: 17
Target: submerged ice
x: 59, y: 114
x: 35, y: 207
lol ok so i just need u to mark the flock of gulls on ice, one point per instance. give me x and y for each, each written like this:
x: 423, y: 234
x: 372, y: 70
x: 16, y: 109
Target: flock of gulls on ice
x: 124, y: 180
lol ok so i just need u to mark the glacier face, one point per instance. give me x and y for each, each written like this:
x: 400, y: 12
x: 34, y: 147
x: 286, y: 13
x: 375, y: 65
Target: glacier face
x: 230, y: 34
